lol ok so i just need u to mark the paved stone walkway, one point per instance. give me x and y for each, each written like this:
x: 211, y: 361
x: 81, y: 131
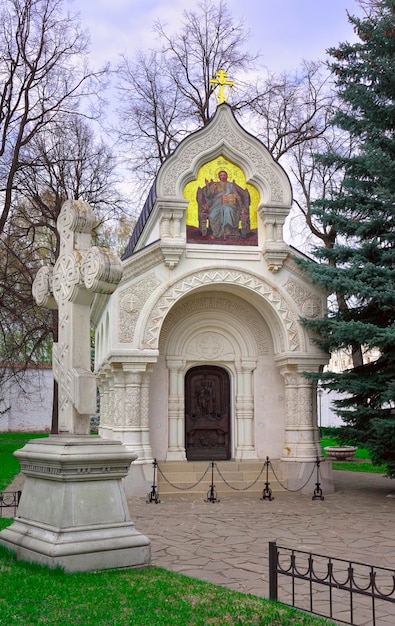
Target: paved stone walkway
x: 226, y: 542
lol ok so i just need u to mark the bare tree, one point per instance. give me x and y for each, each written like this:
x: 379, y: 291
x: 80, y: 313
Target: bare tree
x: 209, y: 39
x: 315, y: 181
x: 43, y: 73
x: 68, y: 162
x: 292, y: 109
x: 153, y: 118
x: 166, y: 93
x: 64, y: 163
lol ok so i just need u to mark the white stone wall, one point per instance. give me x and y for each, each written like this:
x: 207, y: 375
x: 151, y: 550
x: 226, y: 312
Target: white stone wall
x: 326, y: 412
x: 27, y: 404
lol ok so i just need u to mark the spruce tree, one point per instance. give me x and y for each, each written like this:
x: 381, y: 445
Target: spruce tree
x: 358, y: 268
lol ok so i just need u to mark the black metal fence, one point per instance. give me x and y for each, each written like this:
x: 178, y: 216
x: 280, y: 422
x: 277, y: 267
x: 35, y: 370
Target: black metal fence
x: 9, y: 499
x: 346, y: 591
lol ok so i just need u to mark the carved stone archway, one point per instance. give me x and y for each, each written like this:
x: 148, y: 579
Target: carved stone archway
x: 288, y: 334
x: 217, y: 330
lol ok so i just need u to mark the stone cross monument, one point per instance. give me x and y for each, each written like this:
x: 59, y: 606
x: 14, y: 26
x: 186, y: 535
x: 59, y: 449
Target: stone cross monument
x: 79, y: 273
x: 73, y: 511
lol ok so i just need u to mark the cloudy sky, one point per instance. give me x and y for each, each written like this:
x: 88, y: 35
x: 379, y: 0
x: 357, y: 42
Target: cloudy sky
x: 285, y: 31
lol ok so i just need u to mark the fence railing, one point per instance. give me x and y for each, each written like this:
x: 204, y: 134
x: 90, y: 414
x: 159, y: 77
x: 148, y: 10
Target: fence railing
x: 9, y: 499
x: 347, y: 591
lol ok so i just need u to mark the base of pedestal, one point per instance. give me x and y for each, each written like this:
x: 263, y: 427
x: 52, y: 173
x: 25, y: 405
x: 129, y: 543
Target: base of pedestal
x: 303, y: 476
x: 77, y: 550
x: 73, y: 511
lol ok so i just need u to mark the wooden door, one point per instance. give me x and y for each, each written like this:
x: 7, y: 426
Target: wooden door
x: 207, y: 414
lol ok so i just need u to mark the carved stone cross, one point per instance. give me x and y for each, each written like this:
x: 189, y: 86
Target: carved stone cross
x: 80, y: 272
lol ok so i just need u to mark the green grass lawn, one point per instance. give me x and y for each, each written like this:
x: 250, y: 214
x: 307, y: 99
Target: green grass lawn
x: 10, y: 466
x: 31, y: 595
x: 360, y: 462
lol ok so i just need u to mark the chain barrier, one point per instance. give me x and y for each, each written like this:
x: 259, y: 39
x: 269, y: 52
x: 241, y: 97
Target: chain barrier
x: 153, y: 496
x: 287, y: 488
x: 183, y: 488
x: 240, y: 488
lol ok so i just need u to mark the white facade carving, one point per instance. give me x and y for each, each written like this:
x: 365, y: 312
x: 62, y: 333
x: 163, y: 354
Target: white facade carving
x: 195, y: 317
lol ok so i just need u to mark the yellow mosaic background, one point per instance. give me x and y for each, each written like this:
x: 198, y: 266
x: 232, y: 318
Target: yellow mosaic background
x: 210, y: 171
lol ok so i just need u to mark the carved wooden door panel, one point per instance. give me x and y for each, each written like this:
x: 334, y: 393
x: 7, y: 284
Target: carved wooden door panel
x: 207, y: 414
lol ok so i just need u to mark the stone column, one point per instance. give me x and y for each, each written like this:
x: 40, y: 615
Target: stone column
x: 176, y: 437
x: 177, y: 217
x: 274, y: 249
x: 135, y: 431
x: 245, y: 448
x: 165, y: 224
x: 300, y: 442
x: 103, y: 385
x: 118, y: 396
x: 111, y: 402
x: 145, y: 426
x: 172, y: 243
x: 270, y: 223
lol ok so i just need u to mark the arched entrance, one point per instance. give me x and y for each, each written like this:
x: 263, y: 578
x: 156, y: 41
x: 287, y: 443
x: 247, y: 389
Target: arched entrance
x: 207, y: 414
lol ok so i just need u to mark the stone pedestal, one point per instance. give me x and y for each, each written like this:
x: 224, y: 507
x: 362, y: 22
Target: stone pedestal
x: 303, y: 476
x: 73, y: 511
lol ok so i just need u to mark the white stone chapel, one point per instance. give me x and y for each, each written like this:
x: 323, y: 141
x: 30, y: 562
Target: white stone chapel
x: 200, y: 352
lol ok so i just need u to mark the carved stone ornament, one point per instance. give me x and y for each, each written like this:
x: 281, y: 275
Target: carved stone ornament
x: 212, y: 140
x: 214, y: 305
x: 42, y: 288
x: 76, y: 216
x: 79, y: 273
x: 250, y: 281
x: 209, y: 345
x: 101, y: 270
x: 66, y: 278
x: 309, y: 304
x: 223, y: 131
x: 131, y: 302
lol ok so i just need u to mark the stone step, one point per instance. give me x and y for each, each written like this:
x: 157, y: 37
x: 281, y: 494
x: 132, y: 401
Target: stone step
x: 230, y: 477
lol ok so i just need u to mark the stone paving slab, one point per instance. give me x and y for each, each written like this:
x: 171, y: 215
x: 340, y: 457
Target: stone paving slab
x: 226, y: 542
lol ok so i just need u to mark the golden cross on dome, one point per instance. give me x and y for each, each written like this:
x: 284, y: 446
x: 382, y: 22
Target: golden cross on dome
x: 221, y: 81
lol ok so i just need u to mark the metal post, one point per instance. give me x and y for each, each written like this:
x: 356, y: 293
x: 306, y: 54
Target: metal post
x: 267, y: 492
x: 273, y: 583
x: 212, y: 494
x: 318, y: 491
x: 153, y: 495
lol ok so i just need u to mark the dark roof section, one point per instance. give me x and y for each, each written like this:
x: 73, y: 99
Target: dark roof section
x: 304, y: 254
x: 141, y: 222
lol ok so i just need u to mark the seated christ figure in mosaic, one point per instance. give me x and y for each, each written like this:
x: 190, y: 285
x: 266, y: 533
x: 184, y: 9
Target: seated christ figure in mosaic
x: 226, y: 202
